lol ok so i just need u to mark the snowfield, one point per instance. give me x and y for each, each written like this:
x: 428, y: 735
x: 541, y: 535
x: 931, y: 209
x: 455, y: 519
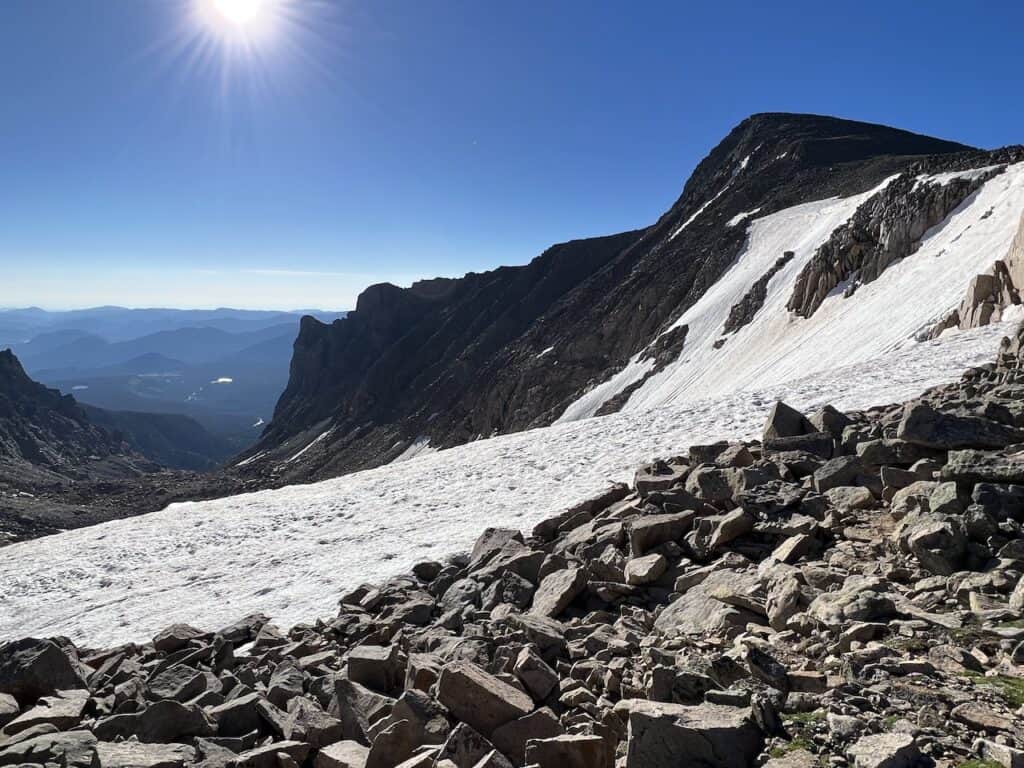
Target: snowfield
x: 881, y: 316
x: 292, y: 552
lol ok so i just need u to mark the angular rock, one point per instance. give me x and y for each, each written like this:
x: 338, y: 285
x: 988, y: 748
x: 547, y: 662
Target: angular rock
x: 479, y: 699
x: 707, y: 735
x: 343, y: 754
x: 569, y: 751
x: 558, y: 590
x: 924, y: 425
x: 884, y: 750
x: 130, y: 754
x: 31, y: 668
x: 644, y: 570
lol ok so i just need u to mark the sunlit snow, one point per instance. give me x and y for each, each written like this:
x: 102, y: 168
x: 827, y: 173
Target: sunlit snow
x: 292, y: 552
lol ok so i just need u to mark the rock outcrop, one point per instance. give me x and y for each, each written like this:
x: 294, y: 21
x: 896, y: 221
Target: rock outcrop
x: 746, y: 604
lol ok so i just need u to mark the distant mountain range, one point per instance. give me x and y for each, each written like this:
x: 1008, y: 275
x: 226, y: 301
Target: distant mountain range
x: 223, y: 368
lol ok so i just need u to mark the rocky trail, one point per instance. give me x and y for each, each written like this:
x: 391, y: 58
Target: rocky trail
x: 846, y: 591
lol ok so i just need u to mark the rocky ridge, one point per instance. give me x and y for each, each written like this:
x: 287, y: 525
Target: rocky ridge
x: 847, y: 591
x: 450, y: 361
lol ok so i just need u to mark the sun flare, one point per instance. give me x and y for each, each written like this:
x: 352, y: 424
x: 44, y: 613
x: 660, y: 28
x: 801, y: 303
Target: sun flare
x: 241, y: 13
x: 246, y: 21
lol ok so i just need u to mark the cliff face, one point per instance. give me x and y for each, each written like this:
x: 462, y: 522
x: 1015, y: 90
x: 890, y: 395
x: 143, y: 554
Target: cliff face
x: 509, y: 349
x: 43, y: 427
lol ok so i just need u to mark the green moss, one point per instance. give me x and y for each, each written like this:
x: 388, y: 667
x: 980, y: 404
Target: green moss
x: 1010, y: 688
x: 797, y: 742
x: 980, y: 764
x: 807, y: 718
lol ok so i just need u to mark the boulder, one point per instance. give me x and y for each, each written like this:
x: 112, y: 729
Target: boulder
x: 480, y: 699
x: 861, y: 598
x: 984, y: 467
x: 131, y: 754
x: 784, y: 421
x: 651, y: 530
x: 558, y: 590
x: 884, y: 750
x: 662, y: 735
x: 342, y: 754
x: 176, y: 637
x: 69, y: 749
x: 379, y: 667
x: 644, y: 570
x: 535, y: 674
x: 569, y: 751
x: 162, y: 721
x: 9, y: 708
x: 63, y: 711
x: 923, y: 425
x: 511, y: 738
x: 268, y: 756
x: 307, y: 722
x: 177, y: 682
x: 31, y: 668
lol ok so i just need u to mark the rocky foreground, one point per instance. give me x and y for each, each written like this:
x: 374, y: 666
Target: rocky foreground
x: 847, y: 591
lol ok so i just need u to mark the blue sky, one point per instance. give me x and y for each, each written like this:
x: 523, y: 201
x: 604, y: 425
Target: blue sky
x: 147, y: 161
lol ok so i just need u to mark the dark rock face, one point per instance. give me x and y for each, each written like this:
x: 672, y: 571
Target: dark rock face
x: 453, y: 360
x: 64, y: 465
x: 42, y: 426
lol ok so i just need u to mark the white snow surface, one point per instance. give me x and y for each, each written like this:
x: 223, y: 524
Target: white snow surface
x: 880, y: 317
x: 741, y: 216
x: 418, y: 447
x: 292, y: 552
x: 697, y: 213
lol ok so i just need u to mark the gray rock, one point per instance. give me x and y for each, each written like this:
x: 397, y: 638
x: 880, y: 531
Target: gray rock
x: 342, y: 754
x: 708, y: 735
x: 267, y: 756
x: 784, y: 421
x: 512, y: 737
x: 177, y: 682
x: 62, y: 710
x: 862, y: 598
x: 569, y: 751
x: 9, y: 708
x: 884, y: 750
x: 69, y: 749
x: 31, y: 668
x: 644, y: 570
x: 480, y: 699
x: 379, y: 667
x: 131, y: 754
x: 539, y: 678
x: 176, y: 637
x: 924, y: 425
x: 983, y: 466
x: 558, y: 590
x: 161, y: 721
x: 651, y: 530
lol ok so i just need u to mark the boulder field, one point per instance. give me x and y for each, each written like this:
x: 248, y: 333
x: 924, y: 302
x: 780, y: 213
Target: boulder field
x: 846, y: 591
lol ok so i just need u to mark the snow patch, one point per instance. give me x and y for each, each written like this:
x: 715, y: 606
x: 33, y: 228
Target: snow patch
x: 697, y: 213
x: 418, y: 447
x: 741, y: 216
x: 293, y: 551
x: 312, y: 442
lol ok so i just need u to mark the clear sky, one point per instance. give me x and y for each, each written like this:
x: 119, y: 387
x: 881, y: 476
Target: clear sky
x: 155, y: 153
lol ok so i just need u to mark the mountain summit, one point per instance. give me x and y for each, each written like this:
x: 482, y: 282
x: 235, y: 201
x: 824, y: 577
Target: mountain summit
x: 585, y: 325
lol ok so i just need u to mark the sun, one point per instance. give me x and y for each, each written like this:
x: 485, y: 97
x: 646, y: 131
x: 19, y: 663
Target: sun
x: 245, y: 22
x: 241, y: 13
